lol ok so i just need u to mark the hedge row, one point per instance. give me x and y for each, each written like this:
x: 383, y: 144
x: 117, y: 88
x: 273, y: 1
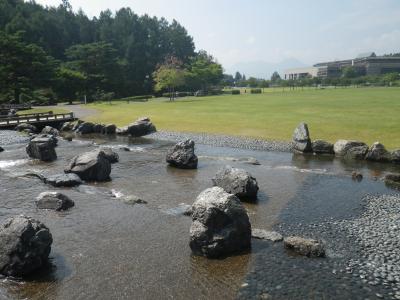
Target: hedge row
x: 142, y: 98
x: 256, y: 91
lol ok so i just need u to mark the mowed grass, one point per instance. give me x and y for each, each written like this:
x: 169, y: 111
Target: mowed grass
x: 43, y: 110
x: 367, y: 114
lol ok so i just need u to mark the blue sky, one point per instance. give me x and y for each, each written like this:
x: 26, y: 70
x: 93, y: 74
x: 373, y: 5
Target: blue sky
x: 240, y: 31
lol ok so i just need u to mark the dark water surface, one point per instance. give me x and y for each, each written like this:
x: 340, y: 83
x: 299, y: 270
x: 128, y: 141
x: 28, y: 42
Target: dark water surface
x: 106, y: 249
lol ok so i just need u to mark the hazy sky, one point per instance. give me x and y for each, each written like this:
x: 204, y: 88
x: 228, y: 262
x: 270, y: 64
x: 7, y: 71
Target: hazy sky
x: 264, y: 30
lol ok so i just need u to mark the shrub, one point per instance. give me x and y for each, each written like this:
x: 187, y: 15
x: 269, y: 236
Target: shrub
x: 141, y: 98
x: 213, y: 92
x: 256, y: 91
x: 235, y: 92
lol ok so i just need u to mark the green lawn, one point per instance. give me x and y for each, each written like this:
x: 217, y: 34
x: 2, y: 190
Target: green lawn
x: 43, y: 110
x: 367, y: 114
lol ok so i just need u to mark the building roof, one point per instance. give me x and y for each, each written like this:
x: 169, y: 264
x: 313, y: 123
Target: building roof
x: 366, y: 54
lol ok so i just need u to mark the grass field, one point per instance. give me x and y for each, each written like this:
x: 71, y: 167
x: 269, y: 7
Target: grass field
x: 43, y: 110
x: 367, y: 114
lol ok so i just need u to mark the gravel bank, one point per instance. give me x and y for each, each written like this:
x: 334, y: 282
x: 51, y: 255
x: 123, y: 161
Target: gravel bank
x: 224, y: 141
x: 9, y: 137
x: 377, y: 232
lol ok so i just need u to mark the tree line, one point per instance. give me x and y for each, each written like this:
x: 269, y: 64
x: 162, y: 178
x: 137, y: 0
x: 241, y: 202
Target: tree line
x: 55, y: 53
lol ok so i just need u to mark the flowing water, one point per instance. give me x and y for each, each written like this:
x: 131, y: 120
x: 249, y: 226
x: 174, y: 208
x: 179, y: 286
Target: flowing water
x: 106, y: 249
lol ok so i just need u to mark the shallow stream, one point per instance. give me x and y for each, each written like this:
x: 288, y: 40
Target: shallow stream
x: 106, y: 249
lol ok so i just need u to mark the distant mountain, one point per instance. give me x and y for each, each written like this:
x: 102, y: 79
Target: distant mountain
x: 263, y: 69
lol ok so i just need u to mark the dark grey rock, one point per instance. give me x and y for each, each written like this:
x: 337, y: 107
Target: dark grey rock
x: 1, y: 149
x: 41, y: 148
x: 392, y: 178
x: 109, y: 129
x: 378, y: 152
x: 50, y: 130
x: 76, y: 125
x: 182, y: 155
x: 356, y: 176
x: 54, y: 200
x: 140, y: 127
x: 67, y: 126
x: 26, y: 127
x: 357, y: 152
x: 301, y: 139
x: 112, y: 156
x: 395, y: 156
x: 341, y: 147
x: 25, y: 246
x: 85, y: 128
x: 306, y: 247
x: 220, y: 224
x: 98, y: 128
x: 63, y: 180
x: 53, y: 139
x: 238, y: 182
x: 322, y: 147
x: 90, y: 166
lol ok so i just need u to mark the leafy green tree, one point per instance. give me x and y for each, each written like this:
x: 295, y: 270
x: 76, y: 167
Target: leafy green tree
x: 349, y: 72
x: 23, y: 66
x: 238, y: 77
x: 70, y: 83
x: 169, y: 76
x: 203, y: 71
x: 275, y: 78
x: 98, y: 64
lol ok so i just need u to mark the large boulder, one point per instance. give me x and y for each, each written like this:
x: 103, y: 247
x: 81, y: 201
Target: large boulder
x: 395, y: 156
x: 63, y: 180
x: 54, y: 200
x: 238, y: 182
x: 341, y: 147
x: 306, y: 247
x: 90, y: 166
x: 26, y: 127
x: 25, y: 246
x: 41, y: 148
x: 109, y: 129
x: 67, y: 126
x: 182, y: 155
x: 53, y: 139
x: 140, y: 127
x: 378, y: 152
x: 77, y: 124
x: 357, y: 152
x: 85, y: 128
x: 301, y: 139
x: 112, y: 156
x: 50, y: 130
x: 220, y: 224
x: 392, y: 178
x: 98, y: 128
x: 322, y: 147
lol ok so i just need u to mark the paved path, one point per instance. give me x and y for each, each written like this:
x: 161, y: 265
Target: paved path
x: 80, y: 111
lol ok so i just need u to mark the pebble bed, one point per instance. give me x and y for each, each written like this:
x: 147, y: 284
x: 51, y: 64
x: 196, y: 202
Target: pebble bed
x: 224, y: 141
x: 9, y: 137
x: 377, y: 232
